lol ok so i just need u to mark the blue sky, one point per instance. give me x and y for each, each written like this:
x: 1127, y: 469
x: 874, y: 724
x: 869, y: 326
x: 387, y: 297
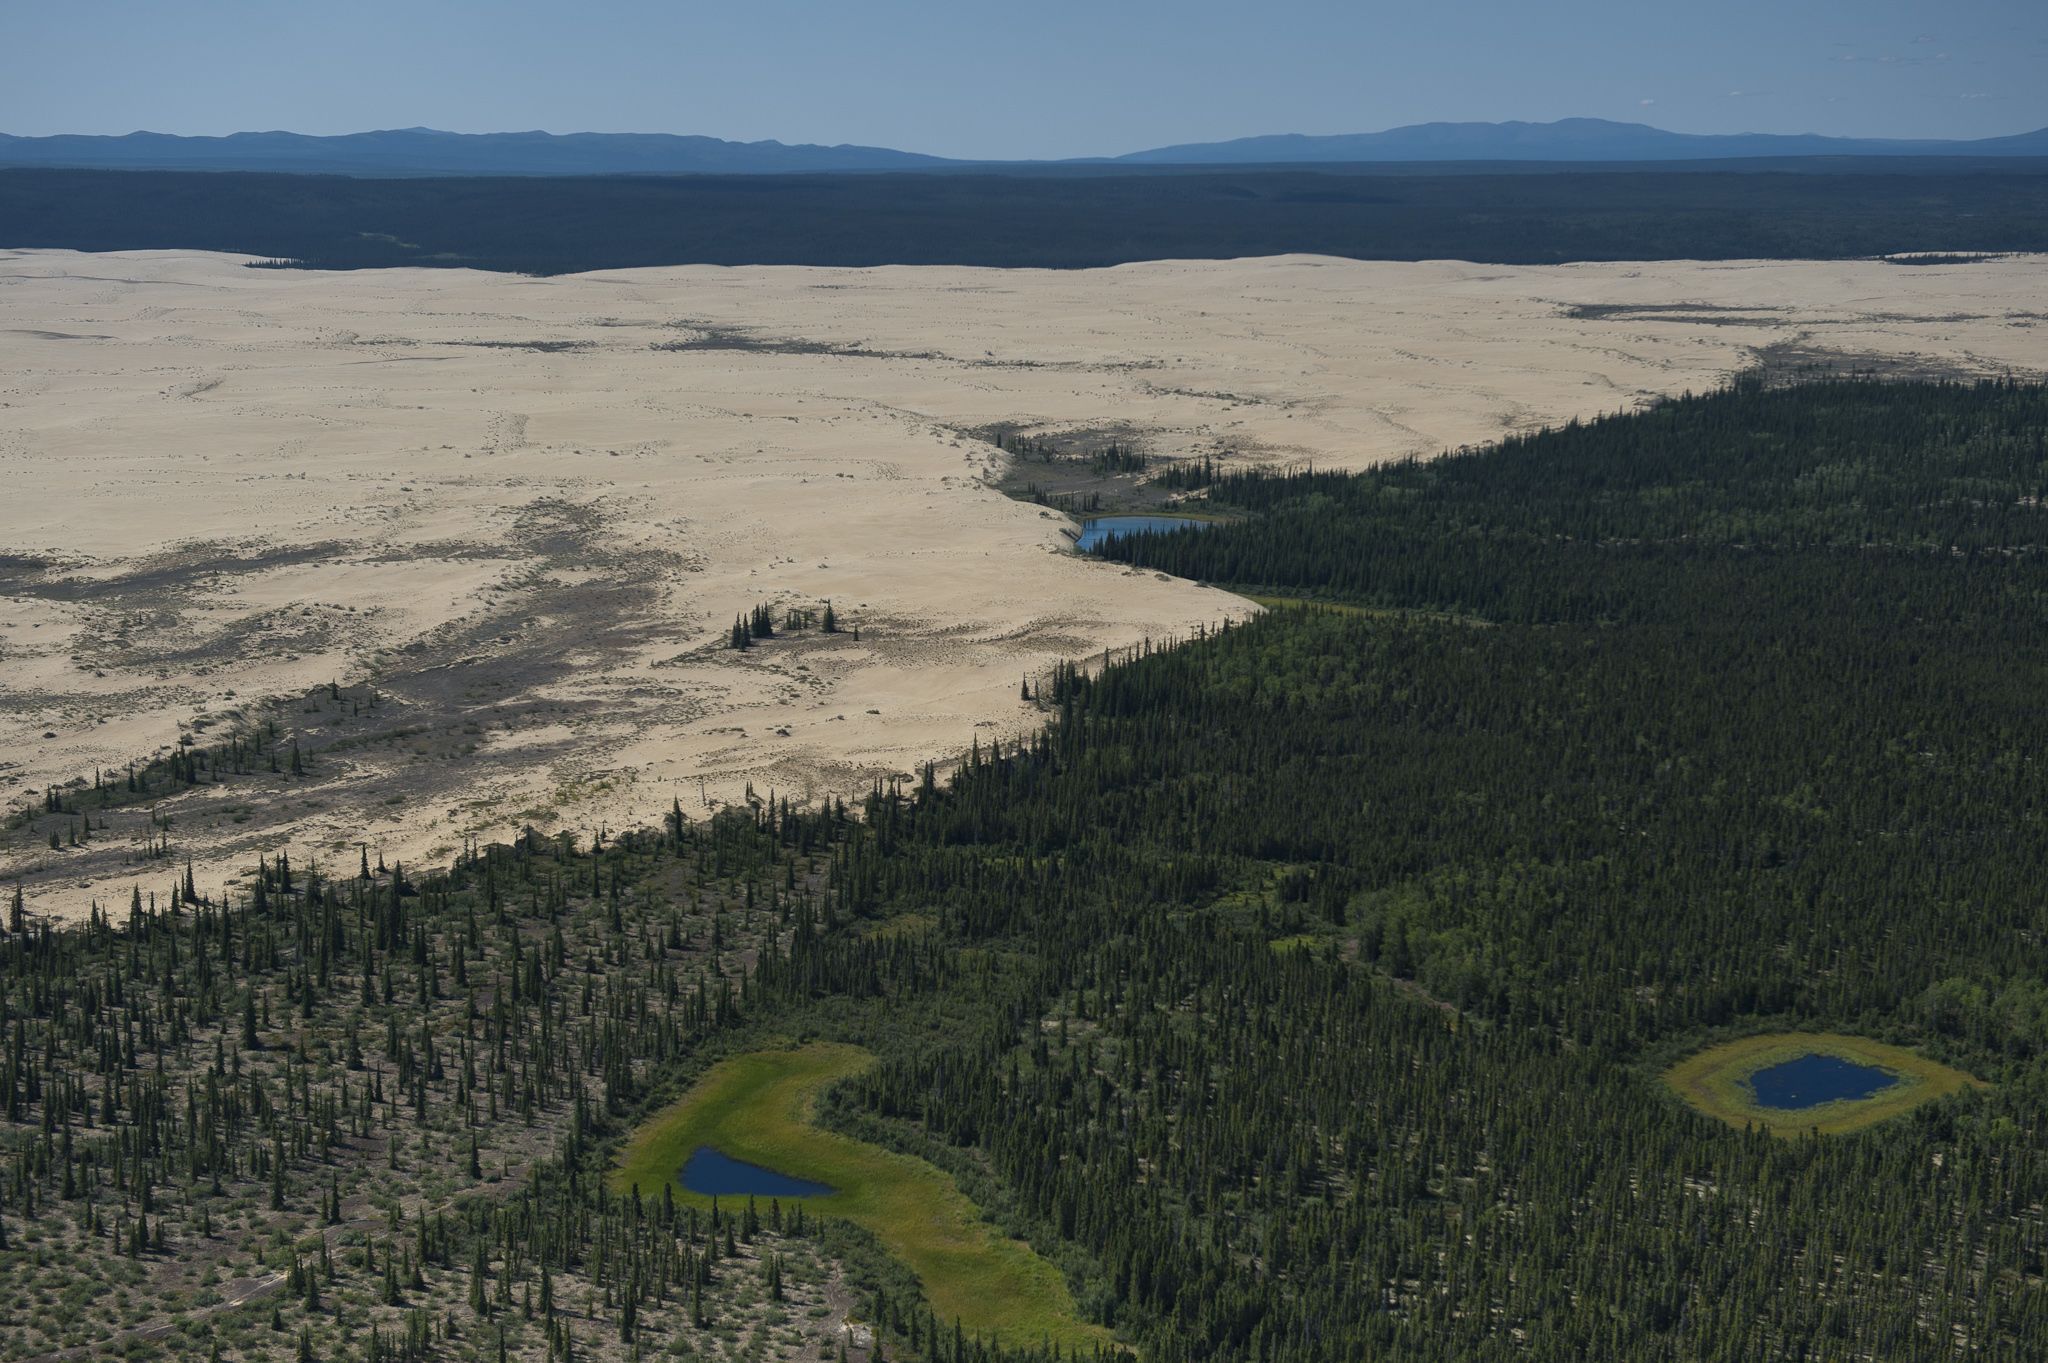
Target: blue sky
x: 1029, y: 78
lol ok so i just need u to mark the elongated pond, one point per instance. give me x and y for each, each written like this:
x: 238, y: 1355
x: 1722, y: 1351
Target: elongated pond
x: 1097, y: 529
x: 714, y: 1173
x: 1814, y: 1079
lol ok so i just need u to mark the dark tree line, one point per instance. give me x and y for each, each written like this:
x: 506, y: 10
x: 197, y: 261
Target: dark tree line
x: 1059, y: 221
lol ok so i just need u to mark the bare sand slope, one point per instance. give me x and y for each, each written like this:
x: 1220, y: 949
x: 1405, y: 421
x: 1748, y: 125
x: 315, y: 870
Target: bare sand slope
x: 514, y: 517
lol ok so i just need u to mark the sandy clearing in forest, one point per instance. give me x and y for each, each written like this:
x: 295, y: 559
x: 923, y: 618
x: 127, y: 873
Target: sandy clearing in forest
x: 524, y: 511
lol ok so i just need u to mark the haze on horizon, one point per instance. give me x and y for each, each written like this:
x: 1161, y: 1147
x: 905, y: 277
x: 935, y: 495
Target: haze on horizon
x: 1057, y: 79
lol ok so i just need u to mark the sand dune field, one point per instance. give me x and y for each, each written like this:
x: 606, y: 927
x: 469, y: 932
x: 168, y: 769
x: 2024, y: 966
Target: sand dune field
x: 479, y: 539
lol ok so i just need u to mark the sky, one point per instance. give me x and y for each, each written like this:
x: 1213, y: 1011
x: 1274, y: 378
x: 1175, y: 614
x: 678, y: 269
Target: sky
x: 1022, y: 79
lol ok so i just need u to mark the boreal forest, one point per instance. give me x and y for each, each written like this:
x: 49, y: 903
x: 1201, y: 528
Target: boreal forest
x: 1066, y: 218
x: 1301, y: 991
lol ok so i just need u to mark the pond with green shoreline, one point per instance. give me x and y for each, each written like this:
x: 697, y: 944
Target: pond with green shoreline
x: 757, y: 1110
x: 1791, y: 1083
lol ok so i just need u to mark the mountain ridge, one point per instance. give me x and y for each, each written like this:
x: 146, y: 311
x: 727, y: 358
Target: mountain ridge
x: 430, y: 151
x: 1567, y: 139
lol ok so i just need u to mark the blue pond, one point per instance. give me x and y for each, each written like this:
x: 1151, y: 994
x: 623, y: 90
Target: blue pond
x: 715, y: 1174
x: 1096, y: 529
x: 1812, y: 1080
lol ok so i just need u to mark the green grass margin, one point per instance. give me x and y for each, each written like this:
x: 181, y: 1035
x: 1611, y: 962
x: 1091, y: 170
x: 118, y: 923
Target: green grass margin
x: 1276, y: 603
x: 758, y: 1107
x: 1272, y: 601
x: 1716, y: 1081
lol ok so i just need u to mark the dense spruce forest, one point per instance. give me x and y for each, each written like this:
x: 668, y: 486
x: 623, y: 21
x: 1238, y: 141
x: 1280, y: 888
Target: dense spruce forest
x: 1300, y: 990
x: 1075, y: 218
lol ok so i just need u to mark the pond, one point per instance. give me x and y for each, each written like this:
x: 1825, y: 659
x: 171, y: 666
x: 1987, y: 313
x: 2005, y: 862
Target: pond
x: 1096, y: 529
x: 1814, y: 1079
x: 713, y: 1173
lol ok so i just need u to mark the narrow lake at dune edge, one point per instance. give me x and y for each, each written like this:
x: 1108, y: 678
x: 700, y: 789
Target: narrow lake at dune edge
x: 1097, y: 529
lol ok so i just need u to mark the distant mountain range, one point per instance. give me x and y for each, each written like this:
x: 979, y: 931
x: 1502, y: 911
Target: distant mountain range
x: 426, y: 151
x: 1568, y: 139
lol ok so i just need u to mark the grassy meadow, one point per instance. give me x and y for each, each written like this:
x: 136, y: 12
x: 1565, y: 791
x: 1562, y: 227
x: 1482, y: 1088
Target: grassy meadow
x: 757, y: 1108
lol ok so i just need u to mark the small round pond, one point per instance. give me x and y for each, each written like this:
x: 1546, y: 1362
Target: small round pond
x: 713, y: 1173
x: 1800, y: 1083
x: 1097, y: 529
x: 1813, y: 1079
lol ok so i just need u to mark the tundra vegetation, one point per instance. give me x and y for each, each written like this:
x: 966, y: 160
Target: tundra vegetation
x: 1300, y: 991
